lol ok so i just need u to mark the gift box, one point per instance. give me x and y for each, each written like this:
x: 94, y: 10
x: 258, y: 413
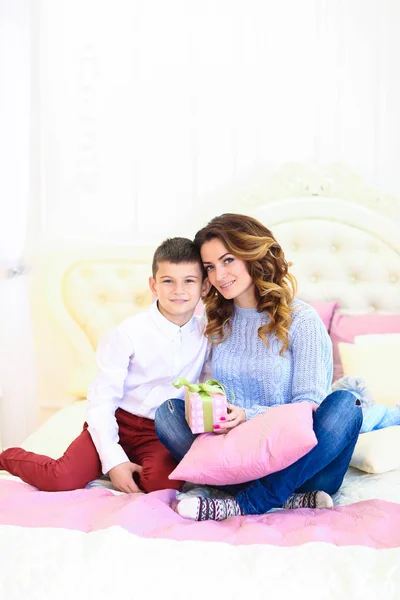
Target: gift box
x: 205, y: 404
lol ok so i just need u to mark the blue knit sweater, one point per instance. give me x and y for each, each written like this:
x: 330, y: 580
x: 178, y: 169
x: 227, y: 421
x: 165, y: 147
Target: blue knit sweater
x: 259, y: 377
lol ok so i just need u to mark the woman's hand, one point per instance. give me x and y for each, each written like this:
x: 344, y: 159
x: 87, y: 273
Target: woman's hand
x: 235, y: 417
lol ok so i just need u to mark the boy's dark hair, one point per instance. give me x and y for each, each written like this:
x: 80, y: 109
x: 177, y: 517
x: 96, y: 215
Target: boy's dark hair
x: 176, y: 250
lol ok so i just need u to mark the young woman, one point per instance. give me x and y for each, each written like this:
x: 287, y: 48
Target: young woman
x: 268, y: 348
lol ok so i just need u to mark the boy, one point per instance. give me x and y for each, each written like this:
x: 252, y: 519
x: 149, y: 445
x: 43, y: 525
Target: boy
x: 138, y: 361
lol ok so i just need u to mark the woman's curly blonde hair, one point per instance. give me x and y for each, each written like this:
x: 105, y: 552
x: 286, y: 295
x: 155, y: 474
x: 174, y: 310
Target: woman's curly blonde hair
x: 275, y: 288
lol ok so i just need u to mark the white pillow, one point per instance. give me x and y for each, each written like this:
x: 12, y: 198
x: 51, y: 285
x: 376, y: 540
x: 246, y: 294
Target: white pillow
x: 378, y: 365
x: 377, y: 451
x: 55, y: 435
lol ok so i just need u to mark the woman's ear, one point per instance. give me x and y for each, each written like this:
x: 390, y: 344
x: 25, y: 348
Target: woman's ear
x: 206, y: 287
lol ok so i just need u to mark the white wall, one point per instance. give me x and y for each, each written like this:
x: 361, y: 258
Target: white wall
x: 17, y: 367
x: 148, y: 107
x: 143, y: 110
x: 15, y: 123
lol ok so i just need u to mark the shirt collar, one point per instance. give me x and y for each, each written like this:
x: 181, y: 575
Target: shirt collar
x: 170, y: 330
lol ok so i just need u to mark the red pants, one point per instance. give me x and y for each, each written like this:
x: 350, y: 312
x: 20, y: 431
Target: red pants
x: 81, y: 464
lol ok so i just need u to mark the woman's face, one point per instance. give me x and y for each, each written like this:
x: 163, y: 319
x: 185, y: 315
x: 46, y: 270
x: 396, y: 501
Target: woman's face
x: 228, y: 274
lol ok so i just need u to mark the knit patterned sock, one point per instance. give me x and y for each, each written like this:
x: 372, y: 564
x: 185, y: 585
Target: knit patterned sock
x: 309, y: 500
x: 204, y: 509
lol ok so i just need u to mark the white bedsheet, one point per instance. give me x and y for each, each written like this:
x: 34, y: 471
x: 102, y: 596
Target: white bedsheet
x: 62, y: 564
x: 44, y: 563
x: 358, y: 485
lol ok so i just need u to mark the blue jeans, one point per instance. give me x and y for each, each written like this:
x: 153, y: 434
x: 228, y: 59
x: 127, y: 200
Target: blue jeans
x: 336, y: 422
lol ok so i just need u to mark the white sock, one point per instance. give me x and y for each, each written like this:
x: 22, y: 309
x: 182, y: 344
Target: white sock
x: 188, y: 507
x: 208, y: 509
x: 315, y: 499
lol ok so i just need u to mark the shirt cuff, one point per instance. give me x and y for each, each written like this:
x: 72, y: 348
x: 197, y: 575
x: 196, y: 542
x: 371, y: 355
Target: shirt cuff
x: 113, y: 457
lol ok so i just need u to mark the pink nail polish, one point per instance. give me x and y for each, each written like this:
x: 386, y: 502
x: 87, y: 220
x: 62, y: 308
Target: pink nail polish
x: 222, y: 419
x: 217, y: 427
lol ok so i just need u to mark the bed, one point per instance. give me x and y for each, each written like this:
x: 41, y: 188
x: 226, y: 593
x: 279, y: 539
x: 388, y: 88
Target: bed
x: 344, y: 241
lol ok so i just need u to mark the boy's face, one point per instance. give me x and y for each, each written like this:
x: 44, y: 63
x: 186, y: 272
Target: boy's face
x: 178, y: 288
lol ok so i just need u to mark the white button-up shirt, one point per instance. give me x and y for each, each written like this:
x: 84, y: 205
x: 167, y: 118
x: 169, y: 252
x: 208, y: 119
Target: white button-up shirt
x: 138, y: 362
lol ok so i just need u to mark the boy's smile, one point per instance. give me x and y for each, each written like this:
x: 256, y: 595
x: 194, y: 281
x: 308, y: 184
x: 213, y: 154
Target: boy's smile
x: 178, y: 288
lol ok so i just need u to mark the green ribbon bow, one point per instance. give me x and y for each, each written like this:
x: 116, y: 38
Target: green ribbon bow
x: 211, y: 386
x: 205, y: 390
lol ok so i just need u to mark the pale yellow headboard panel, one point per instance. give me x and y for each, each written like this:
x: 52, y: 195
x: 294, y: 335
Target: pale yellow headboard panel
x: 100, y: 294
x: 89, y: 290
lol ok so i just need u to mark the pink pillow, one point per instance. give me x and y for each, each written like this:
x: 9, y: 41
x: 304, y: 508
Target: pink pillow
x: 325, y: 311
x: 344, y: 328
x: 263, y: 445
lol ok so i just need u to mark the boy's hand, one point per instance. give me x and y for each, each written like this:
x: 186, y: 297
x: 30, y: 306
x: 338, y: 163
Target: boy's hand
x: 235, y: 417
x: 122, y: 477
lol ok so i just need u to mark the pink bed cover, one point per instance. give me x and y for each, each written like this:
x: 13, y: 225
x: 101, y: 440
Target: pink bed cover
x: 373, y: 523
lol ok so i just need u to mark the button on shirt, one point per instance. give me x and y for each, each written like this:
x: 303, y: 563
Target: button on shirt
x: 138, y: 362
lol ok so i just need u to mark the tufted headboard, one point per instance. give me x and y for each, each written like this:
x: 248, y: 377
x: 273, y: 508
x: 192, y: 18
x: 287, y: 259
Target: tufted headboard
x: 342, y: 237
x: 90, y: 289
x: 339, y: 251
